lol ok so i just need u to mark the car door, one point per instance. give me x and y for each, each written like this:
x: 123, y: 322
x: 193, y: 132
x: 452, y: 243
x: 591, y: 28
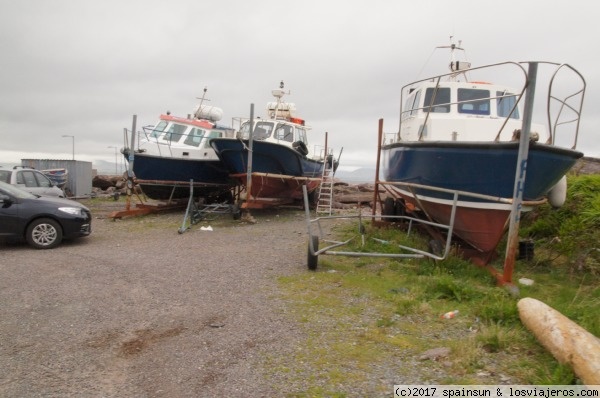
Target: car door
x: 9, y: 214
x: 36, y: 183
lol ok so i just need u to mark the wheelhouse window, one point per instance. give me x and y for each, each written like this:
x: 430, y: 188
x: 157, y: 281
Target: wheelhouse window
x: 473, y: 101
x: 195, y: 137
x: 505, y: 103
x: 411, y: 105
x: 262, y: 130
x: 285, y: 132
x: 175, y: 133
x: 301, y: 135
x: 437, y: 100
x: 158, y: 129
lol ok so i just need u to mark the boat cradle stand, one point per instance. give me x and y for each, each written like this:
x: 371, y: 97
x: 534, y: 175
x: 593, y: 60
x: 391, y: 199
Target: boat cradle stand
x: 198, y: 211
x: 143, y: 206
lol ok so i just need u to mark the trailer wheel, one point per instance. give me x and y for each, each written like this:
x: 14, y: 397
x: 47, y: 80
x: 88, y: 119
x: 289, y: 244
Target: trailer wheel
x: 400, y: 207
x: 388, y: 209
x: 313, y: 259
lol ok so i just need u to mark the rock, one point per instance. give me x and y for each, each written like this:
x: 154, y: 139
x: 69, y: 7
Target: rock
x: 435, y: 354
x: 568, y: 342
x: 102, y: 182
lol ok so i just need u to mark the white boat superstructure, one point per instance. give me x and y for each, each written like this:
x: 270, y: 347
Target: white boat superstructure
x: 461, y: 110
x: 185, y: 138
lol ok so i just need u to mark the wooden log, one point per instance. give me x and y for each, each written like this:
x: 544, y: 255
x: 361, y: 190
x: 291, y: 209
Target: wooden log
x: 568, y: 342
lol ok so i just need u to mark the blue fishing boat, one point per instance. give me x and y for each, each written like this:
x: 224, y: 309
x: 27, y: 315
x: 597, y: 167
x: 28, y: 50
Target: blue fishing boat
x: 176, y: 152
x: 460, y: 132
x: 281, y: 161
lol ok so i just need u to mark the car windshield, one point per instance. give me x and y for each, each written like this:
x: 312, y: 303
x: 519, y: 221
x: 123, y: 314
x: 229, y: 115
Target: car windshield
x: 14, y: 191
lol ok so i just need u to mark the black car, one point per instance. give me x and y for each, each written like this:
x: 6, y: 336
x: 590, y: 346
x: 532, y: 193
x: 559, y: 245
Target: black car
x: 41, y: 220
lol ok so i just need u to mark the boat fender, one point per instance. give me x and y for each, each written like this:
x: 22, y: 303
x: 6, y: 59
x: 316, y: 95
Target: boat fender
x: 558, y: 193
x: 300, y: 147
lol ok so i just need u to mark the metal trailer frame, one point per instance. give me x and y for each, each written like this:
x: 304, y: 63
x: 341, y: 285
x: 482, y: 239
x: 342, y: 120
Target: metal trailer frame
x: 196, y: 212
x: 313, y: 241
x: 437, y: 251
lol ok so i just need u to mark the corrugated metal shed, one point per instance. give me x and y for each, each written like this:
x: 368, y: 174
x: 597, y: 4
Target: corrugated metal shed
x: 79, y: 181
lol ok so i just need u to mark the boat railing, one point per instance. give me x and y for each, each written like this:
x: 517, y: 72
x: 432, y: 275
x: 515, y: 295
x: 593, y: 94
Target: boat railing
x: 565, y: 105
x: 437, y: 251
x: 562, y: 110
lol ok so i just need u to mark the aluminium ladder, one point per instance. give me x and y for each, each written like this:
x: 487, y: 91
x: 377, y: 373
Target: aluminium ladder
x: 325, y: 199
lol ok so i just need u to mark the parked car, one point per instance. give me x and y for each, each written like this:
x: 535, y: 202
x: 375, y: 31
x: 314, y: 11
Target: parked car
x: 31, y: 180
x: 43, y: 221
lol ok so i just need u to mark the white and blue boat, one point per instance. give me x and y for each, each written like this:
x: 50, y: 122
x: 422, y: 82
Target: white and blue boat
x: 282, y: 160
x: 461, y: 132
x: 176, y: 152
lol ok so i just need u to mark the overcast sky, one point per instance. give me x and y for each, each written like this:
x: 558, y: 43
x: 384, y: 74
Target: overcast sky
x: 83, y: 68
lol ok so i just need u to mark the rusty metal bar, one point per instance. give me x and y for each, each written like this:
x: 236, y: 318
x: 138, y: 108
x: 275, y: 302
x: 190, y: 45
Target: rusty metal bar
x: 519, y: 187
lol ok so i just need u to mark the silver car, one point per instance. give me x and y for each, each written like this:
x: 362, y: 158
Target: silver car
x: 30, y: 180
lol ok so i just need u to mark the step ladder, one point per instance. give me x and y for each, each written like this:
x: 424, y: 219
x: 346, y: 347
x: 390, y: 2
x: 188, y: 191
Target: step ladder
x: 325, y: 198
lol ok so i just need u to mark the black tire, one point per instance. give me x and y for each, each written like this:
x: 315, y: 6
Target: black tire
x: 44, y: 233
x: 388, y: 209
x: 400, y: 207
x: 300, y: 147
x: 313, y: 259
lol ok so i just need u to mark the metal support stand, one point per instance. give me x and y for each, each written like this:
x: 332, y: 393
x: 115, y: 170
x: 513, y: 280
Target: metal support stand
x: 196, y: 212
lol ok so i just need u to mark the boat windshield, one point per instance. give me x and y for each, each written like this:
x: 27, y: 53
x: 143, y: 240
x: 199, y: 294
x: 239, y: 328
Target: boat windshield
x: 158, y: 129
x: 195, y: 137
x: 440, y: 103
x: 505, y: 103
x: 474, y: 101
x: 262, y: 130
x: 301, y: 135
x: 284, y: 132
x: 175, y: 132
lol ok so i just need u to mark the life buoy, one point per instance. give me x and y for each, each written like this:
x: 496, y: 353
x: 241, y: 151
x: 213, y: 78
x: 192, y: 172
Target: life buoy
x: 300, y: 147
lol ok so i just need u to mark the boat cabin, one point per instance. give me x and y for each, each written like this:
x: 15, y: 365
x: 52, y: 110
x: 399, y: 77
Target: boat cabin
x: 182, y: 137
x: 460, y: 111
x: 279, y: 131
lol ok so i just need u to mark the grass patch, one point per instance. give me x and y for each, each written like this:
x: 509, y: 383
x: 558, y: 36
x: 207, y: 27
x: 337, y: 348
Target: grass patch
x: 369, y: 320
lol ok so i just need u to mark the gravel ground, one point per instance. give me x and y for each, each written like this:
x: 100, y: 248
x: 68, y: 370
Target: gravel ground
x: 137, y: 309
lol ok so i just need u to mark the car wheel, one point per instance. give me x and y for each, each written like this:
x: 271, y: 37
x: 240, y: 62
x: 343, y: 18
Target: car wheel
x: 44, y: 233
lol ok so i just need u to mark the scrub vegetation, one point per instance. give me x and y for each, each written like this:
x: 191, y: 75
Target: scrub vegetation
x: 363, y: 314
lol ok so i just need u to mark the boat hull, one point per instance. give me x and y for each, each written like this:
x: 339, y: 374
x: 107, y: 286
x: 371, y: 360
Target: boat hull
x: 277, y: 171
x: 169, y: 178
x: 479, y: 168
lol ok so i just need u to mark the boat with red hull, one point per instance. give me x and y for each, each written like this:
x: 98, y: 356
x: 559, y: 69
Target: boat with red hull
x: 461, y: 135
x: 281, y: 160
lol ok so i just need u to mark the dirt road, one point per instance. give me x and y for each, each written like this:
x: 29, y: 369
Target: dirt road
x: 137, y: 309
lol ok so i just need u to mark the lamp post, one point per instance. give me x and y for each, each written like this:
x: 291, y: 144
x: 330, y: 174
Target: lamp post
x: 73, y: 142
x: 116, y: 159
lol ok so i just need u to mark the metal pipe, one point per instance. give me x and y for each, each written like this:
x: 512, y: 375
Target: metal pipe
x: 376, y: 191
x: 250, y: 145
x: 515, y: 215
x: 132, y: 147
